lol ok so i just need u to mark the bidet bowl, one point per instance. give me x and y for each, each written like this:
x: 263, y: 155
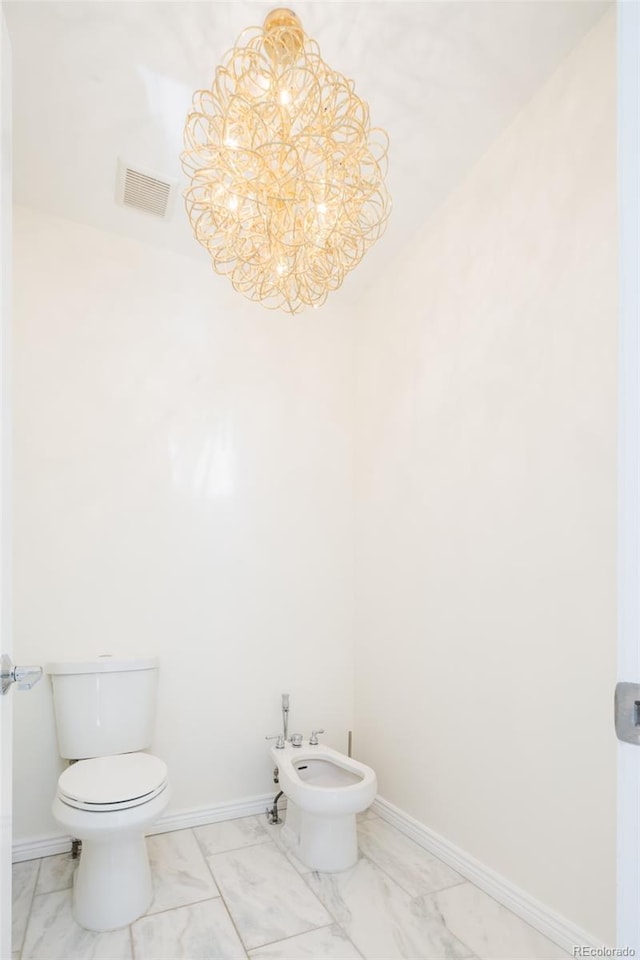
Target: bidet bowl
x: 323, y: 781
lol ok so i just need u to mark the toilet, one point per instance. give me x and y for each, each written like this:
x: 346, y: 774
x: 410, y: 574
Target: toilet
x: 114, y: 792
x: 325, y: 790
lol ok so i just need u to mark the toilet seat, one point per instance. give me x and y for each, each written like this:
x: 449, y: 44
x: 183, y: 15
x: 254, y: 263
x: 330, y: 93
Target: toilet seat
x: 112, y: 783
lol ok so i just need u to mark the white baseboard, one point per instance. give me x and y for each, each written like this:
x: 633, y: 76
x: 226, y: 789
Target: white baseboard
x: 198, y: 816
x: 45, y: 846
x: 542, y: 918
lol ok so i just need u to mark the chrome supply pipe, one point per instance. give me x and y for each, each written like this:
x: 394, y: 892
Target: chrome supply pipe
x: 285, y: 715
x: 272, y: 811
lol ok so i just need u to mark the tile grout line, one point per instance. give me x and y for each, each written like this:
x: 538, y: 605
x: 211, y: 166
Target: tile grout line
x: 220, y: 895
x: 182, y: 906
x: 185, y: 906
x: 233, y: 924
x: 412, y: 896
x: 471, y: 883
x: 336, y: 922
x: 371, y: 860
x: 224, y: 902
x: 29, y: 912
x: 325, y: 926
x: 472, y: 955
x: 244, y: 846
x: 247, y: 846
x: 179, y: 906
x: 261, y: 945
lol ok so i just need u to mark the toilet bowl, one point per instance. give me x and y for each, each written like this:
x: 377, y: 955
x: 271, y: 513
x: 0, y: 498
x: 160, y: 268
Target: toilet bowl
x: 325, y: 790
x: 114, y: 790
x: 108, y: 803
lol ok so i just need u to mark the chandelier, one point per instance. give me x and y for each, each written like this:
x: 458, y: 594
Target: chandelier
x: 286, y: 173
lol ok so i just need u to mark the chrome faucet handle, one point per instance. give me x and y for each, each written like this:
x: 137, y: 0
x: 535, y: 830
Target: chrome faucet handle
x: 279, y: 740
x: 313, y: 739
x: 296, y: 739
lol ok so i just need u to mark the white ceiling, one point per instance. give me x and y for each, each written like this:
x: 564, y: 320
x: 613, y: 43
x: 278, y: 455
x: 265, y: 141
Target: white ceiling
x: 94, y: 81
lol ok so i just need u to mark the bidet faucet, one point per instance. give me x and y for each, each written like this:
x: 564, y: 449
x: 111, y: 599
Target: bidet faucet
x: 285, y: 715
x: 313, y: 739
x: 279, y: 740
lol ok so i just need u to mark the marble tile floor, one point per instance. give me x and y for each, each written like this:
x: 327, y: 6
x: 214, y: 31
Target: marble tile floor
x: 232, y: 890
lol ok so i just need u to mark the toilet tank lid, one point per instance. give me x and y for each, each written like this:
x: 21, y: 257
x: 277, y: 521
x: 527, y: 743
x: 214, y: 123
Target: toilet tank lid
x: 106, y: 663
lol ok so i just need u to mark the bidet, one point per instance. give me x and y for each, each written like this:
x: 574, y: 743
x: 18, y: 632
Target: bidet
x: 324, y: 790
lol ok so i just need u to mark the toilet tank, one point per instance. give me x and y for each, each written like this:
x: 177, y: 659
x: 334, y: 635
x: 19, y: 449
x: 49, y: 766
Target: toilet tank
x: 104, y: 706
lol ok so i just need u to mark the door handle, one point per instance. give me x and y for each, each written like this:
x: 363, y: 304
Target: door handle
x: 25, y: 677
x: 627, y: 712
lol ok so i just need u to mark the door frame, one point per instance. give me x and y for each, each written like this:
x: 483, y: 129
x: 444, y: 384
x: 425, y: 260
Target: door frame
x: 628, y: 825
x: 6, y: 638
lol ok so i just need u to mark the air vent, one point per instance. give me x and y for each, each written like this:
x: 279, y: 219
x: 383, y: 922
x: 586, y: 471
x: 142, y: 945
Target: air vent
x: 144, y: 190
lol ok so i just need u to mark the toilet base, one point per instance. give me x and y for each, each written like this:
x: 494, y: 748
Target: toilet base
x: 328, y: 844
x: 112, y: 886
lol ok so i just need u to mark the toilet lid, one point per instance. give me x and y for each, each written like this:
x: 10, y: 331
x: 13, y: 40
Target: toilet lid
x: 112, y: 780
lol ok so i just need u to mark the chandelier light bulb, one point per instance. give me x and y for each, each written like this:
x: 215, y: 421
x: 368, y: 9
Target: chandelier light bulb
x: 286, y: 175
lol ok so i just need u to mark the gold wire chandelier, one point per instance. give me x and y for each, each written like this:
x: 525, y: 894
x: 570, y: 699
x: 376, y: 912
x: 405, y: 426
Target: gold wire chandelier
x: 286, y: 173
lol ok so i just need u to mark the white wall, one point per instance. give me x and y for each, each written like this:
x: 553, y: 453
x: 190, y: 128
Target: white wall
x: 486, y: 484
x: 183, y: 485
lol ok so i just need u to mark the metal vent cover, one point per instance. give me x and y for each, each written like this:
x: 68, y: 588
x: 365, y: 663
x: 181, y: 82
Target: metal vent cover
x: 144, y: 189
